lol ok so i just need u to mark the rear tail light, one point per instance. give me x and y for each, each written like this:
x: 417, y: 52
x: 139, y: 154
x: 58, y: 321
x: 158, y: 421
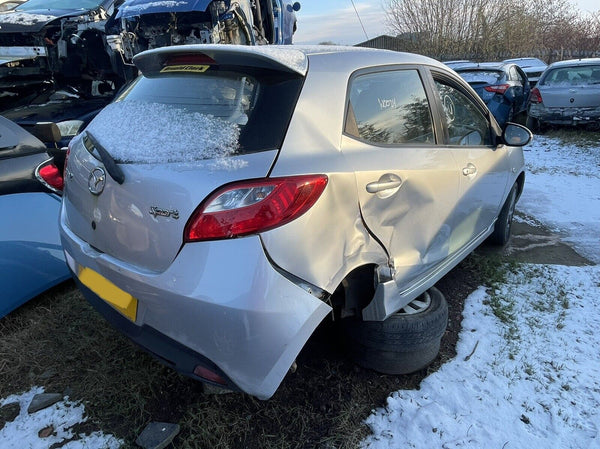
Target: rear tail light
x: 536, y: 96
x: 50, y: 176
x: 250, y: 207
x: 497, y: 89
x: 208, y: 374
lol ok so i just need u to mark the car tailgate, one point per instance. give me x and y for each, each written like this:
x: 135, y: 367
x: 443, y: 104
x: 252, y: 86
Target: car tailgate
x: 142, y: 220
x: 480, y: 89
x: 587, y: 96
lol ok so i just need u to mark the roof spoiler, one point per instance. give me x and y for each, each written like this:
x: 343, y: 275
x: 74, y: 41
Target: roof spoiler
x: 284, y: 59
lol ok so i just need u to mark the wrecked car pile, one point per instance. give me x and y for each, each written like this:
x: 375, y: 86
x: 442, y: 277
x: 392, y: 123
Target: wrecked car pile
x: 83, y: 51
x: 89, y: 45
x: 55, y: 42
x: 140, y: 25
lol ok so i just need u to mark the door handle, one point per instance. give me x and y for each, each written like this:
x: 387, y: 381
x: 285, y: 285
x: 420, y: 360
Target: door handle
x: 470, y: 169
x: 388, y: 181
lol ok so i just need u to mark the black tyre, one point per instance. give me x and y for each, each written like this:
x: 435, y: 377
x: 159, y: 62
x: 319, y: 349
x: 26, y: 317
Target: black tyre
x: 503, y: 226
x: 407, y: 341
x: 535, y: 125
x: 532, y: 123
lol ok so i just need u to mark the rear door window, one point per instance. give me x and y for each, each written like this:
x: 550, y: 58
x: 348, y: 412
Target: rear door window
x: 389, y: 108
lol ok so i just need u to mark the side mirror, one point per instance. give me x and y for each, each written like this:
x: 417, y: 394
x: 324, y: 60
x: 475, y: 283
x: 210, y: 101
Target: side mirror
x: 296, y: 6
x: 516, y: 135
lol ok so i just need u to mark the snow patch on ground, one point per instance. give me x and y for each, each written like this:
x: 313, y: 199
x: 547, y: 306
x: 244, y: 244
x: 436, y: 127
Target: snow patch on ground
x: 62, y: 416
x: 527, y: 372
x: 562, y: 189
x: 531, y: 381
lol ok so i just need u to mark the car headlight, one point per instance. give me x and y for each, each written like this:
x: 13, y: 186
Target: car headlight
x: 70, y: 128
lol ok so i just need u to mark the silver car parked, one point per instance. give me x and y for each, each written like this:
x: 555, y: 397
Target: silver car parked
x: 233, y: 197
x: 568, y: 93
x: 533, y: 68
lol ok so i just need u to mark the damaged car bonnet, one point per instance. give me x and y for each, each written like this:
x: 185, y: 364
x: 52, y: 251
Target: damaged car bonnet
x: 64, y: 38
x: 142, y: 25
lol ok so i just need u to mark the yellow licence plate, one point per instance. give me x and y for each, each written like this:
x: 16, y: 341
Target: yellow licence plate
x: 109, y: 292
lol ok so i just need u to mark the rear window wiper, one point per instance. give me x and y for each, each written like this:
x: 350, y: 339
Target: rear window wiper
x: 113, y: 169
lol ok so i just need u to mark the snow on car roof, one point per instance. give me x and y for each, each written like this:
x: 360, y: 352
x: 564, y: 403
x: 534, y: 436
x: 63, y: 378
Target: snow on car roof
x: 571, y: 62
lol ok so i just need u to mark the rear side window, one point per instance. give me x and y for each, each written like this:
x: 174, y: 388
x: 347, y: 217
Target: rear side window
x: 572, y: 76
x: 389, y: 108
x: 185, y: 117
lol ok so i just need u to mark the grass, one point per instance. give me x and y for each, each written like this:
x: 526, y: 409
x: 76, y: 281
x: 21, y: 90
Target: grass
x: 59, y: 342
x: 574, y: 136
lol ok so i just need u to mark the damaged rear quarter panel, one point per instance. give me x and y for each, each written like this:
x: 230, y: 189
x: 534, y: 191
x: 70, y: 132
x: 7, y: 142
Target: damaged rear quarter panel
x: 329, y: 240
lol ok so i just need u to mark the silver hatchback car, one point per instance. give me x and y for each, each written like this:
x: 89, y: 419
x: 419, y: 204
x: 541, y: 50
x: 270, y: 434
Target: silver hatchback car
x: 233, y: 197
x: 568, y: 93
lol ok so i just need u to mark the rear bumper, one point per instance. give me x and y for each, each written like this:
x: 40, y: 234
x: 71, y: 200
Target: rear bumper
x: 220, y: 305
x: 165, y: 349
x: 564, y: 116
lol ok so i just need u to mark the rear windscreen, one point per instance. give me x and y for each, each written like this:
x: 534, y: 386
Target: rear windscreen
x: 182, y: 117
x: 481, y: 76
x: 573, y: 76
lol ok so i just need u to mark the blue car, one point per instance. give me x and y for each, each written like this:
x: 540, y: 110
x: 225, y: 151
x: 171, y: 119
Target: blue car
x: 140, y: 25
x: 503, y: 87
x: 31, y: 256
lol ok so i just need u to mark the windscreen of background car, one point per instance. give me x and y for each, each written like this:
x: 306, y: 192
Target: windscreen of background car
x: 389, y: 108
x: 181, y: 117
x: 31, y: 5
x: 573, y: 76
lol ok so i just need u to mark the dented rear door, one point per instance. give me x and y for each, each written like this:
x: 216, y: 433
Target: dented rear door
x: 407, y: 186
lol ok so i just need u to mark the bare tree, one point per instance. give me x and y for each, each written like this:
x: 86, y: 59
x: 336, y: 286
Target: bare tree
x: 492, y: 29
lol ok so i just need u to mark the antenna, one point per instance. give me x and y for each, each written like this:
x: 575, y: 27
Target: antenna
x: 358, y: 15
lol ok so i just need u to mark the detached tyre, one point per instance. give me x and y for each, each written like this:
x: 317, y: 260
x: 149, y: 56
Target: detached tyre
x: 407, y: 341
